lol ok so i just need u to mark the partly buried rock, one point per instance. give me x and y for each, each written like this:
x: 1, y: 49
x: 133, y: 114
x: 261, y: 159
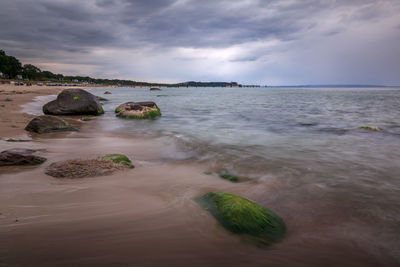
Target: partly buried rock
x: 48, y: 124
x: 138, y: 110
x: 74, y: 102
x: 241, y: 216
x: 19, y: 156
x: 80, y: 168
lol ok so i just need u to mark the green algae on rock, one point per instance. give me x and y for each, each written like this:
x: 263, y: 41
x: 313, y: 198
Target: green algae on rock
x: 370, y: 128
x: 228, y: 176
x: 241, y: 216
x: 86, y: 119
x: 119, y: 159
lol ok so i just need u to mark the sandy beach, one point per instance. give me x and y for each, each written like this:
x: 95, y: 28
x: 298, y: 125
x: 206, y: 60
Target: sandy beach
x: 145, y: 216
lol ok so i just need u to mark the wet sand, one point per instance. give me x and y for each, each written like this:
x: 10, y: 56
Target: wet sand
x: 147, y: 217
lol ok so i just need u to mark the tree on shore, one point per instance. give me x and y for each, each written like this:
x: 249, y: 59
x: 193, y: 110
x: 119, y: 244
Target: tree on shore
x: 9, y: 66
x: 31, y: 72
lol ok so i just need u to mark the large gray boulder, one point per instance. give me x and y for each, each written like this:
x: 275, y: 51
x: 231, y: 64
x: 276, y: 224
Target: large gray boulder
x: 74, y: 102
x: 48, y: 124
x: 20, y: 157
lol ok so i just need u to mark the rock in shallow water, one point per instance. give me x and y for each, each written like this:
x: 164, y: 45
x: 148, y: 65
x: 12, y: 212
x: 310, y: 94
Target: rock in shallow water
x: 138, y: 110
x: 48, y: 124
x: 241, y: 216
x: 20, y: 157
x: 74, y: 102
x: 370, y: 128
x: 81, y: 168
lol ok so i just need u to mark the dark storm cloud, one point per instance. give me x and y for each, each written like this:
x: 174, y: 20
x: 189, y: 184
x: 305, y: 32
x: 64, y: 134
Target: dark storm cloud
x: 67, y: 30
x: 161, y: 22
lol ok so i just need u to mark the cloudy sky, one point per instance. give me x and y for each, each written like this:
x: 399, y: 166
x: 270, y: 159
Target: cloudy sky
x: 270, y: 42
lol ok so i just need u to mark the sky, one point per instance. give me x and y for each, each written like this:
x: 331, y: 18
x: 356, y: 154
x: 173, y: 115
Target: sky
x: 275, y: 42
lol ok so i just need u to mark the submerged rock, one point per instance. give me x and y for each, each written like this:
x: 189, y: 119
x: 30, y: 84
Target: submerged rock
x: 241, y: 216
x: 107, y: 93
x: 81, y: 168
x: 48, y: 124
x: 370, y: 128
x: 138, y: 110
x: 228, y: 176
x: 17, y: 140
x: 74, y: 102
x: 101, y: 98
x: 20, y: 157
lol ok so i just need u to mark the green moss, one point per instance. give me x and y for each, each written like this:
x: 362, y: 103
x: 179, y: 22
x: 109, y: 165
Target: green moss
x: 242, y: 216
x: 119, y: 159
x: 100, y: 112
x: 76, y: 97
x: 229, y: 176
x: 207, y: 172
x: 39, y: 161
x: 370, y: 128
x: 86, y: 119
x: 117, y: 110
x: 149, y: 115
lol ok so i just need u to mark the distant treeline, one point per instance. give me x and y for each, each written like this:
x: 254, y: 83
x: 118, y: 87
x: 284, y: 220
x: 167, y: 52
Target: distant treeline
x: 11, y: 68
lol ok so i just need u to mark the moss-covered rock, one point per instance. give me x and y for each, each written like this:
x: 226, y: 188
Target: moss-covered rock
x: 138, y: 110
x: 119, y: 159
x: 228, y: 176
x: 86, y: 119
x: 241, y: 216
x: 370, y: 128
x: 208, y: 172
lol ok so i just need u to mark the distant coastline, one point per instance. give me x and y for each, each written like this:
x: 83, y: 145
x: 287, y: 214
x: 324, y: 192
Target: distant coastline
x: 335, y: 85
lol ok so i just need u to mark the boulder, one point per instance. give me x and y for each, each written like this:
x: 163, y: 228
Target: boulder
x: 74, y: 102
x: 81, y: 168
x: 48, y: 124
x: 138, y: 110
x: 242, y: 216
x: 20, y: 157
x: 107, y: 93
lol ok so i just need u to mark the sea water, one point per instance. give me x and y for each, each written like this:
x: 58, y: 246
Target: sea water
x: 303, y: 145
